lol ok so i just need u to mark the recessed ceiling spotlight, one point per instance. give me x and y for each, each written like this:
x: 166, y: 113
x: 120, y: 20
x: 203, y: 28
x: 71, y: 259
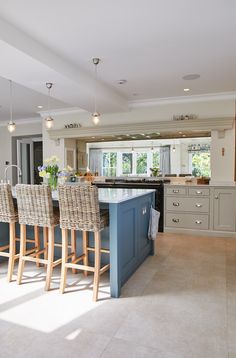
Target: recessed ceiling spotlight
x: 92, y: 137
x: 186, y: 89
x: 158, y: 133
x: 191, y: 76
x: 40, y: 107
x: 102, y: 139
x: 180, y: 132
x: 133, y: 137
x: 184, y: 135
x: 148, y: 136
x: 119, y: 137
x: 121, y: 82
x: 127, y: 135
x: 142, y: 134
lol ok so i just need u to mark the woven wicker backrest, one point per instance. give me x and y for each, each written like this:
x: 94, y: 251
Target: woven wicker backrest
x: 35, y: 205
x: 79, y: 207
x: 8, y: 213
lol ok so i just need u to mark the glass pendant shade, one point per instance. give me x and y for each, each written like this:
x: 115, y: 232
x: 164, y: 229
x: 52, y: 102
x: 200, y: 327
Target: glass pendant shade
x: 49, y: 122
x: 11, y: 127
x: 96, y: 118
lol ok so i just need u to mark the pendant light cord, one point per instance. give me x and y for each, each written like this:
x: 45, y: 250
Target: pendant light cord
x: 95, y: 89
x: 11, y: 106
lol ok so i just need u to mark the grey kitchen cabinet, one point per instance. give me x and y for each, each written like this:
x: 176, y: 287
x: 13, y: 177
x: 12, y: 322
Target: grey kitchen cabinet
x: 224, y: 209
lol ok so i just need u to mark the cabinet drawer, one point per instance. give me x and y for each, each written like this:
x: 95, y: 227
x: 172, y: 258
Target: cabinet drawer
x: 187, y: 221
x: 187, y: 204
x: 199, y: 191
x: 176, y: 191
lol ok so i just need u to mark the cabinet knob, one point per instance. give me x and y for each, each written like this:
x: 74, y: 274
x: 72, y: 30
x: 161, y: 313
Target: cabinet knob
x: 175, y: 220
x: 198, y: 192
x: 175, y: 191
x: 175, y: 204
x: 216, y: 197
x: 198, y: 222
x: 198, y: 205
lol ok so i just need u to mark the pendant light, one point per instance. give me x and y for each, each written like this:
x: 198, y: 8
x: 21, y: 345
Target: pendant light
x: 11, y: 125
x: 49, y: 120
x: 96, y: 114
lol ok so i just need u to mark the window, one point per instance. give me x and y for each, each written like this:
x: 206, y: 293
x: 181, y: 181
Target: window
x: 156, y: 159
x: 201, y: 164
x: 127, y: 163
x: 109, y: 164
x: 141, y: 163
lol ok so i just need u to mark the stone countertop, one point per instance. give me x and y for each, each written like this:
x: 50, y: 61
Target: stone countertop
x: 110, y: 195
x: 115, y: 196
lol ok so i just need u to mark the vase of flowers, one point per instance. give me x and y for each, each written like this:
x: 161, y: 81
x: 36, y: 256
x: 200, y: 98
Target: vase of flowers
x: 49, y: 171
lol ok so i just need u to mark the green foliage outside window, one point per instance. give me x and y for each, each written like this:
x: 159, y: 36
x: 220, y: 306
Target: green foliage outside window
x: 127, y: 160
x: 141, y: 167
x: 156, y: 160
x: 109, y: 164
x: 201, y: 164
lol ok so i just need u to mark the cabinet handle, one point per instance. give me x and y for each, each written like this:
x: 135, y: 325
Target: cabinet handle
x: 198, y: 205
x: 144, y: 210
x: 216, y: 197
x: 175, y: 191
x: 198, y: 221
x: 175, y: 204
x: 175, y: 220
x: 198, y: 192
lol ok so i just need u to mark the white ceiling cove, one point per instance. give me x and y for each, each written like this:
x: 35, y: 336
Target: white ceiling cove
x: 152, y: 44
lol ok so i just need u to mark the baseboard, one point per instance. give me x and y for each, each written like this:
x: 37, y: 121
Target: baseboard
x: 209, y: 233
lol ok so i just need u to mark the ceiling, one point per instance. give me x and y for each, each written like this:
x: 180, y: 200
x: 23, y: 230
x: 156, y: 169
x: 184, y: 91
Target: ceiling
x: 150, y: 44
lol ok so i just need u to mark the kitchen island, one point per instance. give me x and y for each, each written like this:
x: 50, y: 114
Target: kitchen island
x: 126, y: 236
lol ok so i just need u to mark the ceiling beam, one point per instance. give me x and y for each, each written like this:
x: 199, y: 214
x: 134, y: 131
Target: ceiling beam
x: 27, y: 62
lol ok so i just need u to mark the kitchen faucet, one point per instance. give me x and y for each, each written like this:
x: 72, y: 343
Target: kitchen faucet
x: 18, y: 170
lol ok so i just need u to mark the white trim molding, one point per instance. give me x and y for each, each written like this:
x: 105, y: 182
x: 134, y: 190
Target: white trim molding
x: 207, y: 124
x: 208, y: 97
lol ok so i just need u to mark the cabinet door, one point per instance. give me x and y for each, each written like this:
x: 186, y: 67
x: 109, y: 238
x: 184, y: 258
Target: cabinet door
x: 224, y: 209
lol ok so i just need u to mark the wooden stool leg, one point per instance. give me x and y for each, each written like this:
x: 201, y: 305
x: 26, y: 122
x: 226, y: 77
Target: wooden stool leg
x: 73, y: 247
x: 64, y: 259
x: 37, y: 243
x: 45, y: 243
x: 85, y: 250
x: 97, y: 264
x: 22, y: 252
x: 50, y: 257
x: 12, y: 251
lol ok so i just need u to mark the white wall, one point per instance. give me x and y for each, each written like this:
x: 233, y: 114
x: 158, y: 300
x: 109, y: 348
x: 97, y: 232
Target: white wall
x: 6, y: 141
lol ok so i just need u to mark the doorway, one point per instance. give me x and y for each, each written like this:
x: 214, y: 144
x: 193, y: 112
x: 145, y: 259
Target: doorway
x: 29, y: 158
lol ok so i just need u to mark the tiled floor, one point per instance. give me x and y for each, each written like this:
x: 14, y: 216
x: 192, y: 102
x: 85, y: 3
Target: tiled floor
x: 179, y: 304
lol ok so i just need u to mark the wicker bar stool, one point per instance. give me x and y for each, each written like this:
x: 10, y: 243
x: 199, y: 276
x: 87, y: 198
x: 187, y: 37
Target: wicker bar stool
x: 79, y: 210
x: 8, y: 214
x: 35, y: 208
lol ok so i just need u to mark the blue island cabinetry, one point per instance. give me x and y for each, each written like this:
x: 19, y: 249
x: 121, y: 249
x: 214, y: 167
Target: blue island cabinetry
x: 129, y: 244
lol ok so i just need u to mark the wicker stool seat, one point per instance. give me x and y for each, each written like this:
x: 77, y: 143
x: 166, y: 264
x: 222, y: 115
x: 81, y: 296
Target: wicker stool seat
x: 35, y: 208
x: 8, y: 214
x: 79, y: 210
